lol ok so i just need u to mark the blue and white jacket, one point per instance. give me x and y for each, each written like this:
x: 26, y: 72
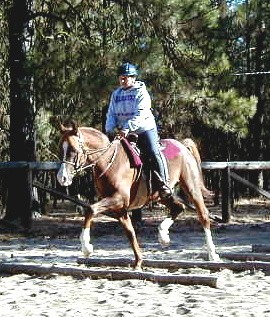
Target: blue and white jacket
x: 130, y: 110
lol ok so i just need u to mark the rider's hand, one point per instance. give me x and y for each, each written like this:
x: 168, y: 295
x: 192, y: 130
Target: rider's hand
x: 111, y: 136
x: 122, y: 133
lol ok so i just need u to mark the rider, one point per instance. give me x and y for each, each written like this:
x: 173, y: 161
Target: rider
x: 130, y: 111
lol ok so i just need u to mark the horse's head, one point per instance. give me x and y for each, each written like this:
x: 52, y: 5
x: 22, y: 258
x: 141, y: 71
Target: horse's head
x: 79, y: 148
x: 71, y: 151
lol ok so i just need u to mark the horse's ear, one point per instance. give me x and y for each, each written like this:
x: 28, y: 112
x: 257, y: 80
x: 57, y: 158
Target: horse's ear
x: 69, y: 125
x: 56, y: 121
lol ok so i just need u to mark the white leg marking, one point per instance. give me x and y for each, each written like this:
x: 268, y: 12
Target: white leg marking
x: 163, y: 231
x: 87, y: 247
x: 211, y: 249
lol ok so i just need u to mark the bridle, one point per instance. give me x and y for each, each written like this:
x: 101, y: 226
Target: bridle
x: 86, y: 153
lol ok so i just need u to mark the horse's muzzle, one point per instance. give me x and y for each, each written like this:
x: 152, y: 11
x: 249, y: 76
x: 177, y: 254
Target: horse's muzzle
x: 64, y: 177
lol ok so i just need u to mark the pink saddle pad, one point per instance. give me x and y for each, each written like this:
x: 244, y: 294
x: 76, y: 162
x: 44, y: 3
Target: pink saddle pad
x: 170, y: 148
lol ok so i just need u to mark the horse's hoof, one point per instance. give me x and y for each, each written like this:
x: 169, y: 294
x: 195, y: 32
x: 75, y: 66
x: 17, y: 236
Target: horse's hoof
x: 163, y: 237
x: 87, y: 250
x: 215, y: 258
x: 137, y: 269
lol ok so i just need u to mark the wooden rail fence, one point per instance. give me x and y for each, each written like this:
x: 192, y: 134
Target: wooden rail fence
x: 227, y: 174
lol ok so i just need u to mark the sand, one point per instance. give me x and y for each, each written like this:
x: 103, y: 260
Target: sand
x: 55, y: 241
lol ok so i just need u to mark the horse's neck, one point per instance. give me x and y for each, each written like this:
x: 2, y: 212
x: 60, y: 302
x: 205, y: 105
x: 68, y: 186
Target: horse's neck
x: 92, y: 138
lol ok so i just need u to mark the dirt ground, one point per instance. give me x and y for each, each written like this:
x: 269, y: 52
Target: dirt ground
x: 54, y: 240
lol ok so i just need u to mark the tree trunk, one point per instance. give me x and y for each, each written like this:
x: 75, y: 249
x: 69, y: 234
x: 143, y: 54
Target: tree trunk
x: 22, y: 140
x: 256, y: 127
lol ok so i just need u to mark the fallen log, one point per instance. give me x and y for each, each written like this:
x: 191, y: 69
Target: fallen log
x: 245, y: 256
x: 261, y: 248
x: 113, y: 274
x: 174, y: 265
x: 241, y: 256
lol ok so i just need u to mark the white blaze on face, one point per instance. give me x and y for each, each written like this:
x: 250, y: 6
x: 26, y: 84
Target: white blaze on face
x: 63, y: 176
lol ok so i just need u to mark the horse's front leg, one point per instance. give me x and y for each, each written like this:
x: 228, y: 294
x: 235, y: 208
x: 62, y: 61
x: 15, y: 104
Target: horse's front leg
x: 130, y: 232
x: 87, y: 247
x: 104, y: 205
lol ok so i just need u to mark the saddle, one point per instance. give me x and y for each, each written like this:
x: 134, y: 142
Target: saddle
x: 129, y: 144
x: 152, y: 177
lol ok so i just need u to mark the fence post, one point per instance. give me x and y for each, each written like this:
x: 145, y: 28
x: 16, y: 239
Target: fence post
x: 226, y: 195
x: 26, y: 217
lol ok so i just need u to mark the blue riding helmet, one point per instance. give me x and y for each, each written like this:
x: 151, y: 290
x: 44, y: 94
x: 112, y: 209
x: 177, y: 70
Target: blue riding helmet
x: 127, y: 69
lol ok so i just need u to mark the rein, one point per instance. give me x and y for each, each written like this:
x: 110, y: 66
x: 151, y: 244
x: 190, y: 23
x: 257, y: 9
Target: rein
x: 111, y: 160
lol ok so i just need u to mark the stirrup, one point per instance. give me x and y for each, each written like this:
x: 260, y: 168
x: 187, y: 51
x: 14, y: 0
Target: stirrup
x: 165, y: 192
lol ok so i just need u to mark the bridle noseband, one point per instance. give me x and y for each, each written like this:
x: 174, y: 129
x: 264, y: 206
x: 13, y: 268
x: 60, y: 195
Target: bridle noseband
x: 78, y: 168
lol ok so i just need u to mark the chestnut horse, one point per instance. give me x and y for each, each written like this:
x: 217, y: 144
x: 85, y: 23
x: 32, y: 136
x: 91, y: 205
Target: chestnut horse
x: 123, y: 188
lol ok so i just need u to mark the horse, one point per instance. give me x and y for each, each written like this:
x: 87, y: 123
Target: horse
x: 123, y: 187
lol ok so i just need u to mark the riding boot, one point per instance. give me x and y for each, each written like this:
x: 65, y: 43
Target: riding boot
x: 165, y: 191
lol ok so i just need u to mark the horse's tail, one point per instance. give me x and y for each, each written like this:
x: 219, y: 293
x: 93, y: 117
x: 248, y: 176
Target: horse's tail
x: 192, y: 147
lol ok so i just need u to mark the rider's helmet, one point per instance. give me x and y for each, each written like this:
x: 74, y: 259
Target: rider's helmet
x: 127, y: 69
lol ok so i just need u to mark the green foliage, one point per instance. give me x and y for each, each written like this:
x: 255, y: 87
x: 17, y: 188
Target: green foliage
x: 187, y: 51
x: 46, y: 145
x: 228, y: 112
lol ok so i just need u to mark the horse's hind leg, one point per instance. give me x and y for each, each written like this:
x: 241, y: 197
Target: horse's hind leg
x: 175, y: 207
x: 87, y: 247
x: 204, y: 219
x: 130, y: 232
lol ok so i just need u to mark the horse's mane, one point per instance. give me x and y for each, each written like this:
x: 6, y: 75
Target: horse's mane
x: 97, y: 134
x: 91, y: 135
